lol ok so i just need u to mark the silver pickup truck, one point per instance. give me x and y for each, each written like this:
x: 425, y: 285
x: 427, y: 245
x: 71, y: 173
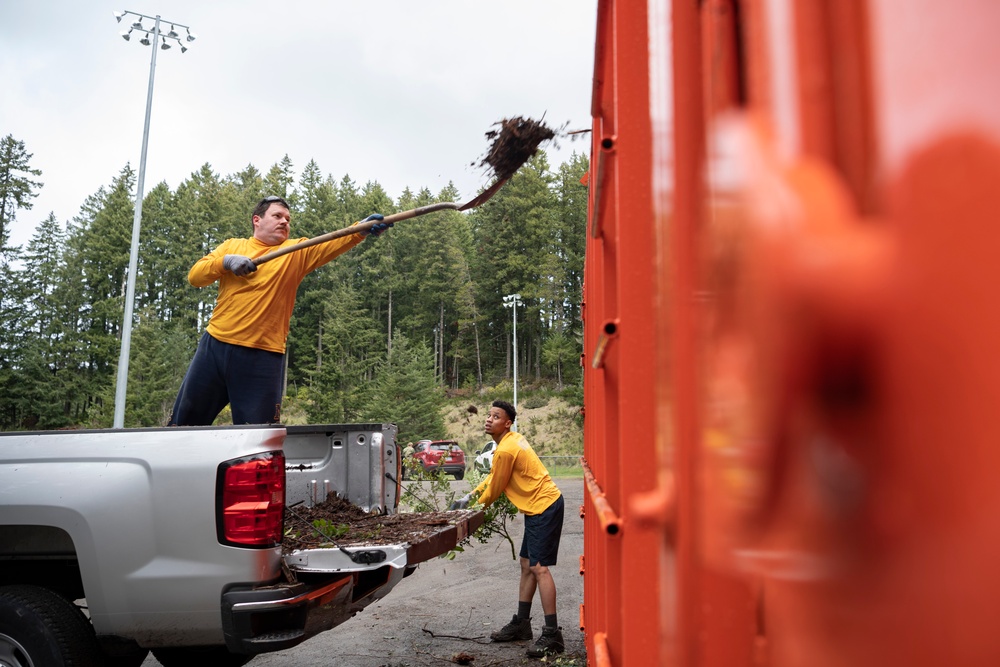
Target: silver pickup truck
x: 117, y: 542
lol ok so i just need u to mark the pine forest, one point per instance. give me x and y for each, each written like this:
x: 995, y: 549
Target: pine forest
x: 384, y: 333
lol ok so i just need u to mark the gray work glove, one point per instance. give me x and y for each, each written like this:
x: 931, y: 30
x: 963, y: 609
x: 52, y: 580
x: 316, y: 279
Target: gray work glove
x: 238, y: 264
x: 461, y: 503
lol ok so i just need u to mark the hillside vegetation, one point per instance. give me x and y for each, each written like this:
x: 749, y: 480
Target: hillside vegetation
x: 551, y: 425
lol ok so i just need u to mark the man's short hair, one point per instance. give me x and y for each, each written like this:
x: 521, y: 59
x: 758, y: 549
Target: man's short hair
x: 261, y: 208
x: 506, y: 407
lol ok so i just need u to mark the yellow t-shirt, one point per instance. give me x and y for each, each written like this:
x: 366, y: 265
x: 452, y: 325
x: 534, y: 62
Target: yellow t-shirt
x: 254, y: 310
x: 520, y: 474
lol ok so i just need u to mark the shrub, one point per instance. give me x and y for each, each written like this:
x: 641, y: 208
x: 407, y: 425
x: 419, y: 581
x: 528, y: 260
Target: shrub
x: 536, y: 401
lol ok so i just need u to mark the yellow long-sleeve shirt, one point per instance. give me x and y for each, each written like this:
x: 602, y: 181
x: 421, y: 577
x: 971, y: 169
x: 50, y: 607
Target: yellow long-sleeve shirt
x: 518, y: 473
x: 254, y: 310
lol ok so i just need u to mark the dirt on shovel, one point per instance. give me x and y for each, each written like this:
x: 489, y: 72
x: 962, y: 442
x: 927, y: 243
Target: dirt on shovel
x: 512, y: 144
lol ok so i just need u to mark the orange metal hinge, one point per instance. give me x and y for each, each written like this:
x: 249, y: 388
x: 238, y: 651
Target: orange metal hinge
x: 656, y: 508
x: 607, y: 517
x: 602, y: 656
x: 608, y: 332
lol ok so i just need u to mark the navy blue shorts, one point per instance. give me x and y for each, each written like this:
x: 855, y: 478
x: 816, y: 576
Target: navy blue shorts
x: 541, y: 535
x: 247, y: 378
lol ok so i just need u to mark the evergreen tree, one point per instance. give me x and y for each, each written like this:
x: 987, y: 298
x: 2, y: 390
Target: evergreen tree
x: 43, y: 355
x: 317, y: 202
x: 97, y: 256
x: 12, y: 317
x: 570, y: 243
x: 351, y: 347
x: 154, y: 376
x: 17, y: 188
x: 559, y: 352
x: 514, y: 238
x: 375, y: 260
x: 406, y: 392
x: 280, y: 181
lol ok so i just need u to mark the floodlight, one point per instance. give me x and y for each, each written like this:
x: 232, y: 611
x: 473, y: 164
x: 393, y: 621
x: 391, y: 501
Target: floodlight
x: 148, y: 39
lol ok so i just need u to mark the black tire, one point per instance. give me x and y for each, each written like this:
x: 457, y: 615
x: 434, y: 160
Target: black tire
x: 460, y: 475
x: 39, y: 628
x: 200, y: 656
x: 132, y: 659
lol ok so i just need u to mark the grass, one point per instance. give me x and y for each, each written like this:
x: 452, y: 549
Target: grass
x: 565, y: 471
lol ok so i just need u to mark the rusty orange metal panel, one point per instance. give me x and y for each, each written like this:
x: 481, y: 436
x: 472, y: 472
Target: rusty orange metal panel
x: 848, y: 447
x: 720, y: 43
x: 618, y: 345
x: 797, y: 200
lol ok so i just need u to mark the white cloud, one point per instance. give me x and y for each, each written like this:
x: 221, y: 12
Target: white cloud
x: 395, y: 91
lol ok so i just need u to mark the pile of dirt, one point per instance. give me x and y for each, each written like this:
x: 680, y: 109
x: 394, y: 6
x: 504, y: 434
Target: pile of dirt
x: 337, y: 522
x: 513, y: 144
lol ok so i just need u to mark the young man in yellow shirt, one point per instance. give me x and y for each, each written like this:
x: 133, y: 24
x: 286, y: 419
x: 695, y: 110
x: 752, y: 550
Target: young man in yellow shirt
x: 518, y: 473
x: 240, y: 357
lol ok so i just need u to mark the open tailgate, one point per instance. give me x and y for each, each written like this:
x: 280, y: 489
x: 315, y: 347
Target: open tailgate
x: 438, y: 534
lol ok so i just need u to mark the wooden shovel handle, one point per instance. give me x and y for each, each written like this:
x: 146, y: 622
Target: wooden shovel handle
x: 353, y: 229
x: 395, y: 217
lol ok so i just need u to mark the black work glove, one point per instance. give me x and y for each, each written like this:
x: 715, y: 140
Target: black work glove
x: 376, y: 230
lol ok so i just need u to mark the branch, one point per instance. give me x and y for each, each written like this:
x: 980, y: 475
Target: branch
x: 468, y: 639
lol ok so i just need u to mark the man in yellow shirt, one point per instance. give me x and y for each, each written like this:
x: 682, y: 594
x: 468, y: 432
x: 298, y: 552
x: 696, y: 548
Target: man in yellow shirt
x: 518, y: 473
x: 240, y: 357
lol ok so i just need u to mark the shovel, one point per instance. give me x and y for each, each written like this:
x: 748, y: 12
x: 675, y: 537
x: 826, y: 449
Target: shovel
x: 395, y: 217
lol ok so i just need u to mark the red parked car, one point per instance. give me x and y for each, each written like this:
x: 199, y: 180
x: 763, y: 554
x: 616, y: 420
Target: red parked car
x: 441, y: 454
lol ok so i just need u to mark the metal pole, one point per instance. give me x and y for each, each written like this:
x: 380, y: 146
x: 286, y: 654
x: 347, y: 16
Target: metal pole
x: 133, y: 258
x: 514, y: 306
x: 511, y: 301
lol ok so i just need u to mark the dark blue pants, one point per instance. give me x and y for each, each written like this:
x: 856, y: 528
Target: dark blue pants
x: 540, y: 543
x: 247, y: 378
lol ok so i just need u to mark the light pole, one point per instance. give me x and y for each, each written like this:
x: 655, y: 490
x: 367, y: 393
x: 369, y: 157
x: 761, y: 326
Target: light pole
x: 150, y: 37
x: 512, y: 301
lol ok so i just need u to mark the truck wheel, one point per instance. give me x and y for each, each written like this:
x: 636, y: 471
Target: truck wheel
x: 39, y: 628
x: 200, y: 656
x: 132, y: 659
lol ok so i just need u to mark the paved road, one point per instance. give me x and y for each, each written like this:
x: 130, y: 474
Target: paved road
x: 468, y: 597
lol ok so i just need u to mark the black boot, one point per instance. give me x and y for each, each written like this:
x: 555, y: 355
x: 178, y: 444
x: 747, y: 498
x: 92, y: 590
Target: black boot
x: 549, y: 643
x: 518, y: 628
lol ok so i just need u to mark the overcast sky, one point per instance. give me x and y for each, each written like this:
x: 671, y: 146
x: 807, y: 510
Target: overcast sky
x: 395, y: 91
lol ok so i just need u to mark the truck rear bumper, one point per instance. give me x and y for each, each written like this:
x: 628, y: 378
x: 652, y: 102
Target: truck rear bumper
x: 262, y: 620
x: 332, y: 587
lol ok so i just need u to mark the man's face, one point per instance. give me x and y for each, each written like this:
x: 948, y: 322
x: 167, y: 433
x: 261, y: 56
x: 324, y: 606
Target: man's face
x: 272, y: 227
x: 497, y: 422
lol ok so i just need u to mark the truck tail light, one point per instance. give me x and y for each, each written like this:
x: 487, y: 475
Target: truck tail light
x: 250, y: 509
